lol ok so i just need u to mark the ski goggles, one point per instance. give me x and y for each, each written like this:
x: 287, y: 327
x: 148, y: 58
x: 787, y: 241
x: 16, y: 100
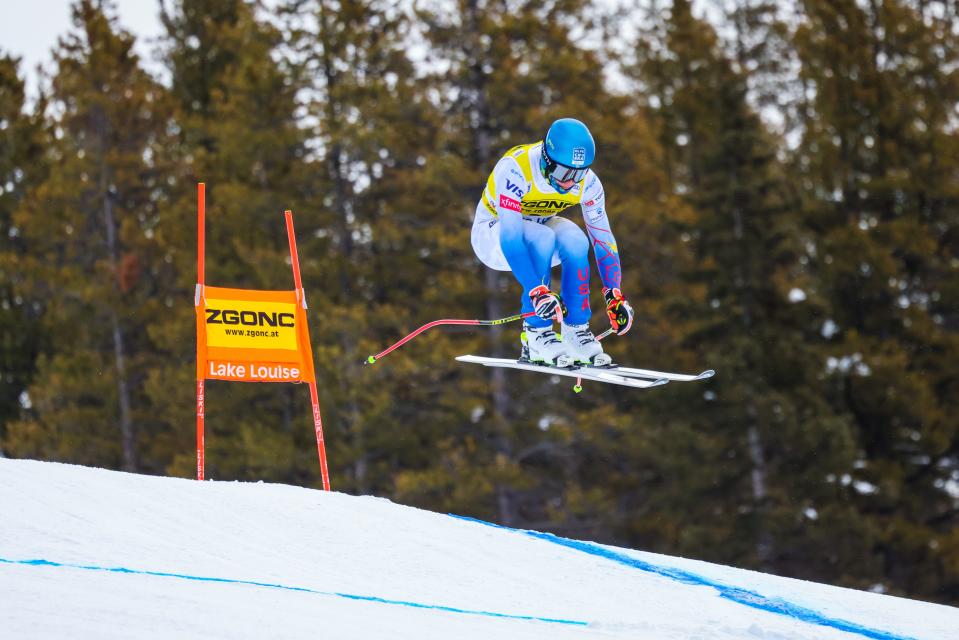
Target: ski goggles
x: 561, y: 173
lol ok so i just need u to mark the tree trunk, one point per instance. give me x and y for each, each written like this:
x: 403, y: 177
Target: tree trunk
x: 504, y: 447
x: 482, y: 149
x: 756, y: 456
x: 343, y: 235
x: 127, y: 432
x: 764, y: 541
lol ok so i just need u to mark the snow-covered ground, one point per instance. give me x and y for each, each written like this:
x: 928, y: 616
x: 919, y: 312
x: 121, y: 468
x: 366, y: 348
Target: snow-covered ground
x: 89, y: 553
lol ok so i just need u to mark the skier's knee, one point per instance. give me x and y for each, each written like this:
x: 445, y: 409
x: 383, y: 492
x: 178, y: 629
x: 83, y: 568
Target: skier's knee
x: 545, y: 245
x: 541, y: 240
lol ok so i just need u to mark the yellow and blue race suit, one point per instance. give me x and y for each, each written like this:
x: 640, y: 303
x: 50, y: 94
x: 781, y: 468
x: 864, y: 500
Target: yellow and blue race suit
x: 517, y: 228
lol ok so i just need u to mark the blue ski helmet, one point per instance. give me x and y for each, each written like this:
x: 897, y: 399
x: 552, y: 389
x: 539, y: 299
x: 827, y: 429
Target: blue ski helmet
x: 568, y: 151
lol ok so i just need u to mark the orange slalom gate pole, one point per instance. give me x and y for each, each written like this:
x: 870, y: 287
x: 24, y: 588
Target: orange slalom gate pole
x: 200, y: 280
x: 314, y: 396
x: 318, y: 429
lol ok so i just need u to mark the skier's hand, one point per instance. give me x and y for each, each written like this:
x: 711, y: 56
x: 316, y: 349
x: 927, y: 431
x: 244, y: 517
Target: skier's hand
x: 619, y: 311
x: 546, y: 304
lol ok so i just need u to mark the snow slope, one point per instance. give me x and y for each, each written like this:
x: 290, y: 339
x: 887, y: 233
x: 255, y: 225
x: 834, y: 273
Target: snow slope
x: 89, y: 553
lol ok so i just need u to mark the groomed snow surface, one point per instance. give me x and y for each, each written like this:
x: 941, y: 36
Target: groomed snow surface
x: 90, y: 553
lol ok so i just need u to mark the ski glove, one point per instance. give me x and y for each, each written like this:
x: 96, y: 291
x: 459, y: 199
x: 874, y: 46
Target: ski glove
x: 619, y: 311
x: 546, y: 304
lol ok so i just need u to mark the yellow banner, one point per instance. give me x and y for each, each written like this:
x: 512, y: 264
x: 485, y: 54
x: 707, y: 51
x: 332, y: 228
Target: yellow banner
x: 252, y: 336
x: 246, y: 324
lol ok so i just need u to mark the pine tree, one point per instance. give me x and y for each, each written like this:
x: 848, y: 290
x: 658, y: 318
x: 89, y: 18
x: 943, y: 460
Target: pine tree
x: 878, y: 169
x: 238, y: 132
x: 21, y: 165
x: 766, y: 437
x: 377, y: 259
x: 90, y: 260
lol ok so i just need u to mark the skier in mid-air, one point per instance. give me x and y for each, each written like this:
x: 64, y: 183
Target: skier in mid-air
x: 517, y: 228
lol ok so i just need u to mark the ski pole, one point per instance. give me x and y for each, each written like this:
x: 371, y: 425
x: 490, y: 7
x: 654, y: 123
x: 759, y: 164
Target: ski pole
x: 436, y: 323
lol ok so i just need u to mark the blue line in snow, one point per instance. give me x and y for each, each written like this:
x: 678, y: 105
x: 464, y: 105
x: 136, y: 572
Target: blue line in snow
x: 735, y: 594
x: 350, y: 596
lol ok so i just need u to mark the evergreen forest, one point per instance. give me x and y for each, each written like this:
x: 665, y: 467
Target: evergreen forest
x: 782, y: 180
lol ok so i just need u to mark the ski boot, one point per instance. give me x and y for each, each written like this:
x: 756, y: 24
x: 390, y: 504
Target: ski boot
x: 583, y: 347
x: 542, y: 346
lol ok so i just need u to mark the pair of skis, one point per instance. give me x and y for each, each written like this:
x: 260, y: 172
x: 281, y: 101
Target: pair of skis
x: 612, y: 374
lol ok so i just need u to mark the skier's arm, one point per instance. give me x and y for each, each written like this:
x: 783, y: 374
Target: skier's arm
x: 618, y: 310
x: 600, y: 233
